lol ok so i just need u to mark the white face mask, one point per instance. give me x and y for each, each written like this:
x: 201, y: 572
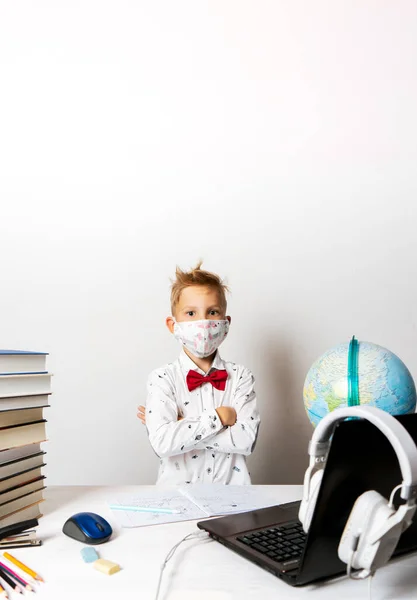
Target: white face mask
x: 201, y: 338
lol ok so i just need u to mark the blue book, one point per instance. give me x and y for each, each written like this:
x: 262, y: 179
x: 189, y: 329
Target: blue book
x: 19, y: 362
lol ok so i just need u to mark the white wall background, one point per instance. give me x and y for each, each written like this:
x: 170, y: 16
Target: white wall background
x: 276, y: 140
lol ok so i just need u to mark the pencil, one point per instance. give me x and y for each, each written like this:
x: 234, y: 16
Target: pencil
x: 168, y: 511
x: 17, y: 577
x: 15, y: 586
x: 3, y: 593
x: 22, y: 566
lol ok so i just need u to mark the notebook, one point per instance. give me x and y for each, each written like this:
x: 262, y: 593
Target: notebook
x: 192, y: 501
x: 19, y: 535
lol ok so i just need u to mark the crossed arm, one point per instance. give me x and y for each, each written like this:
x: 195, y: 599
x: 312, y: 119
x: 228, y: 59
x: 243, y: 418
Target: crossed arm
x: 227, y: 415
x: 226, y: 429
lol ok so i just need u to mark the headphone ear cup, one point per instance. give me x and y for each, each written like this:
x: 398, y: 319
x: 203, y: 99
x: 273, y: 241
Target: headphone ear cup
x: 307, y: 507
x: 369, y: 514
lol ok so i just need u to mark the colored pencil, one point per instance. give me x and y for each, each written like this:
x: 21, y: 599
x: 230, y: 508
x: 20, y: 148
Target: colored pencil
x: 15, y: 586
x: 3, y: 593
x: 17, y: 577
x: 22, y: 566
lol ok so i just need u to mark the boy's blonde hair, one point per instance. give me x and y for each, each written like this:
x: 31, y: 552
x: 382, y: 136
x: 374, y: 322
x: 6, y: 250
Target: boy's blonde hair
x: 196, y: 276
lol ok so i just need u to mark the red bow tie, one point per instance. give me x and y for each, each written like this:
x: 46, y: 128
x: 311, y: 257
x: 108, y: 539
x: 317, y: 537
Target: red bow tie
x: 216, y: 378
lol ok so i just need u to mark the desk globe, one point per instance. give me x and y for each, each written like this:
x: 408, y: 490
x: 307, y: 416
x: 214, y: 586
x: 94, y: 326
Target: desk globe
x: 382, y: 380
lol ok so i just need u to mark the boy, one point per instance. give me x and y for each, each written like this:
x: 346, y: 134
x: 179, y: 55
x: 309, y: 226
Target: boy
x: 201, y: 413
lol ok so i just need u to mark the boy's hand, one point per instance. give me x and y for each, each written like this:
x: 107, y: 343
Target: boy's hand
x: 141, y: 415
x: 227, y: 415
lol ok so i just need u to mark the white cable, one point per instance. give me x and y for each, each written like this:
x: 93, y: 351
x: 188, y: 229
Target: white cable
x: 391, y: 498
x: 364, y: 573
x: 354, y: 547
x: 190, y: 536
x: 349, y: 566
x: 369, y: 587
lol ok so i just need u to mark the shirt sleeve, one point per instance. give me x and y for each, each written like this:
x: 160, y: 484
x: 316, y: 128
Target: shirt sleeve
x: 167, y: 435
x: 241, y: 437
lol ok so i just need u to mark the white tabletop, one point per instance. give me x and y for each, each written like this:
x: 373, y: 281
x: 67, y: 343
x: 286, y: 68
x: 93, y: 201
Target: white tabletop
x: 200, y: 569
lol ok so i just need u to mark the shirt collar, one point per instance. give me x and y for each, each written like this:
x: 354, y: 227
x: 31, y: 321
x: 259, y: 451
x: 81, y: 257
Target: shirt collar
x: 187, y: 363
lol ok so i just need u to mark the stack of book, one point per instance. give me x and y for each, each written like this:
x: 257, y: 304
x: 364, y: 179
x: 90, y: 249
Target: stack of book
x: 25, y: 387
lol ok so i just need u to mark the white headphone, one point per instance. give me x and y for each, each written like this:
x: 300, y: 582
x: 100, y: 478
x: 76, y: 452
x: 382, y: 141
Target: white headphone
x: 374, y: 526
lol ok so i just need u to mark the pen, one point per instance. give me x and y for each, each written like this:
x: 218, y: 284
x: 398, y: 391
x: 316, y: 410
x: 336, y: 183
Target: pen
x: 168, y: 511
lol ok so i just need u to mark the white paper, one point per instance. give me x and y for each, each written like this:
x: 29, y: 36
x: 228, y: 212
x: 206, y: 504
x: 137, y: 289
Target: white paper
x: 218, y: 499
x: 195, y: 501
x: 173, y: 500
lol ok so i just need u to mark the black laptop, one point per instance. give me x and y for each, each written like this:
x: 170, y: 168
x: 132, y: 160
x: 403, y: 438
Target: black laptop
x: 360, y: 459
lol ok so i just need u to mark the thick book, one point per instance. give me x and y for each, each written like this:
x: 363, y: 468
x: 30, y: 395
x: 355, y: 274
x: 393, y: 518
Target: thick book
x: 18, y: 435
x: 22, y: 490
x: 14, y: 467
x: 25, y: 384
x: 21, y: 478
x: 19, y: 417
x: 12, y: 506
x: 20, y: 402
x: 19, y: 452
x: 22, y: 361
x: 28, y: 512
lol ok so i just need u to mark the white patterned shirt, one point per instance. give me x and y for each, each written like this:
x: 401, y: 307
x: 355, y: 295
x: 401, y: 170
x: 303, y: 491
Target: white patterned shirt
x: 198, y: 448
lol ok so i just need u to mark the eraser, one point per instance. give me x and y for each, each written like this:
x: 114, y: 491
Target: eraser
x: 106, y: 566
x: 89, y: 554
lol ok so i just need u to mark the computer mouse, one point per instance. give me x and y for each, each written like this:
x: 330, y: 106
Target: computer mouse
x: 88, y: 528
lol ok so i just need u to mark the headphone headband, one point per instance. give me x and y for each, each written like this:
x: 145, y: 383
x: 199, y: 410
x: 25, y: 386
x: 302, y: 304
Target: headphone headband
x: 398, y: 436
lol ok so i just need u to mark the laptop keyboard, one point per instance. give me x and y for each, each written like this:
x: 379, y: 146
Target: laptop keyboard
x: 281, y: 543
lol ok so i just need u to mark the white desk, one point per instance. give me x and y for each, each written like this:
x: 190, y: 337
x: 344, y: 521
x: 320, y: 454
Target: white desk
x: 199, y: 566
